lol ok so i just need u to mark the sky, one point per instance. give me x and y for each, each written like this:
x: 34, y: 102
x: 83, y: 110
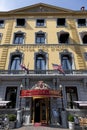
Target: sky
x: 6, y: 5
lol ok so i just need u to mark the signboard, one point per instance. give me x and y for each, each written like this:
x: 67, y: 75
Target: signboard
x: 40, y: 92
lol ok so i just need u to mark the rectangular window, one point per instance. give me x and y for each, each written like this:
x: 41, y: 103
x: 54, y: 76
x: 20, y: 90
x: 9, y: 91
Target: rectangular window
x: 1, y: 23
x: 71, y: 94
x: 81, y: 22
x: 20, y: 22
x: 19, y: 38
x: 40, y: 38
x: 61, y: 22
x: 40, y: 22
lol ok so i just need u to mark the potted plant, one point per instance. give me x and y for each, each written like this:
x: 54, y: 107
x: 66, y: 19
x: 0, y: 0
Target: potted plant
x: 12, y: 120
x: 71, y: 122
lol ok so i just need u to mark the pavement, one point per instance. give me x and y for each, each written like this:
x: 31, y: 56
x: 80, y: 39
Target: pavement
x: 31, y: 127
x: 39, y: 128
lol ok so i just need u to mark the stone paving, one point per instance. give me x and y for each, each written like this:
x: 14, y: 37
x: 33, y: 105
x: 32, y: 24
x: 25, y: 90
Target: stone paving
x: 45, y: 128
x: 39, y: 128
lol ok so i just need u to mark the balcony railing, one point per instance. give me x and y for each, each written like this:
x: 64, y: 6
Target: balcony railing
x: 67, y: 72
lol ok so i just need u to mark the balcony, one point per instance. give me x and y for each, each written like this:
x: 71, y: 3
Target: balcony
x: 45, y: 72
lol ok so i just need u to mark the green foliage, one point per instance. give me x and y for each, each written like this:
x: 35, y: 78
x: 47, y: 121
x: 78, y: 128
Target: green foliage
x: 70, y: 118
x: 12, y: 117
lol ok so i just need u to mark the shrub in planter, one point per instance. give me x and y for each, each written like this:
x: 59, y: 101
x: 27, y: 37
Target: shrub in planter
x: 12, y: 120
x: 70, y: 118
x: 71, y: 122
x: 12, y: 117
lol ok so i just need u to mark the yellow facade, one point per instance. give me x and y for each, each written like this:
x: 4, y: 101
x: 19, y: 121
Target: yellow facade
x: 52, y: 46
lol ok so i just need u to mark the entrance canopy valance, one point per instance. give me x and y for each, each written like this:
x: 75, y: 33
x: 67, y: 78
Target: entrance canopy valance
x: 40, y: 92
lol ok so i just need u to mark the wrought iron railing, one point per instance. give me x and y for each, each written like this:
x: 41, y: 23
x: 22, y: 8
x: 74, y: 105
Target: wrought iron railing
x: 67, y: 72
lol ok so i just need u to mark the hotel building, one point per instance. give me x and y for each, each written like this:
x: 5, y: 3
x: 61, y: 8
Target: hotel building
x: 32, y: 39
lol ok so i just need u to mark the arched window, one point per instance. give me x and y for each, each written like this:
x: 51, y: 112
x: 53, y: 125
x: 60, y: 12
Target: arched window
x: 15, y: 61
x: 84, y: 37
x: 18, y: 38
x: 66, y: 61
x: 40, y: 37
x: 63, y: 37
x: 40, y: 62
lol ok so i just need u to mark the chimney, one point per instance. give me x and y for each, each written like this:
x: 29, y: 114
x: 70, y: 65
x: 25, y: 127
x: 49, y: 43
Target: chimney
x: 82, y: 8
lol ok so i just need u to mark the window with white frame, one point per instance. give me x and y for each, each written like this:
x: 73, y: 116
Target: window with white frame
x: 15, y: 62
x: 40, y: 38
x: 40, y: 22
x: 18, y: 38
x: 81, y: 22
x: 66, y: 61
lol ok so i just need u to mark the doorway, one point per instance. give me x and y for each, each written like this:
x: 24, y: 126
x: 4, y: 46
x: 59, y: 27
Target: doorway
x: 41, y: 111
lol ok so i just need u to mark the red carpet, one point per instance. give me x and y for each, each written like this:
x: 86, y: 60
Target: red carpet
x: 37, y: 124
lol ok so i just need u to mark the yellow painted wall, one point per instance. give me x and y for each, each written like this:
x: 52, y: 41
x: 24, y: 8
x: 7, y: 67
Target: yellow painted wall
x: 53, y: 51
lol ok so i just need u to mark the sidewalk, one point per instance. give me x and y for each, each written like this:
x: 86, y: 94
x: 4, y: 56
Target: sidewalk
x: 39, y: 128
x: 44, y: 128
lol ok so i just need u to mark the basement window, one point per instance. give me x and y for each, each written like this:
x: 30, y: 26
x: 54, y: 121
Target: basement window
x: 1, y: 23
x: 81, y: 22
x: 61, y: 22
x: 20, y: 22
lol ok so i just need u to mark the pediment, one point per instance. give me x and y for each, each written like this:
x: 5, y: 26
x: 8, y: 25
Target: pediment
x: 41, y: 85
x: 41, y: 8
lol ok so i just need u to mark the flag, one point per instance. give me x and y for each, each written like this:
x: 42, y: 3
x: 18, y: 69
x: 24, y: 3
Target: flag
x: 58, y: 67
x: 24, y: 67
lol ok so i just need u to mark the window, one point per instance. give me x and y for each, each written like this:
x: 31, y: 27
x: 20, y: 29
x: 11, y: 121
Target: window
x: 84, y: 37
x: 66, y: 61
x: 15, y: 62
x: 1, y: 23
x: 81, y: 22
x: 64, y: 37
x: 19, y: 38
x: 71, y: 94
x: 85, y: 55
x: 40, y: 63
x: 40, y: 22
x: 61, y: 22
x: 11, y: 93
x: 20, y: 22
x: 0, y: 37
x: 40, y: 38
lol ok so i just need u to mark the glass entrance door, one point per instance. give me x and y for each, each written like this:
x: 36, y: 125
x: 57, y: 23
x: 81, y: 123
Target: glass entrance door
x: 41, y: 110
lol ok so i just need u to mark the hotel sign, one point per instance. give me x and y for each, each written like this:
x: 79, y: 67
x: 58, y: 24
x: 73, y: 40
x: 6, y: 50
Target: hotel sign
x: 40, y: 92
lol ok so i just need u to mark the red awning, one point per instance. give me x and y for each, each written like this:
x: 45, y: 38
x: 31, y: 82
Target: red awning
x: 40, y: 92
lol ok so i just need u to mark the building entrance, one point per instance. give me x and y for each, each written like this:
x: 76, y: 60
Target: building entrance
x: 41, y: 110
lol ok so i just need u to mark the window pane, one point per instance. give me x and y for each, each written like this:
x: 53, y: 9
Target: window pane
x: 19, y: 39
x: 66, y: 63
x: 15, y: 63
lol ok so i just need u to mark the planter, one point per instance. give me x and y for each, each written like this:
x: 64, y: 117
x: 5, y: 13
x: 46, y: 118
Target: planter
x: 12, y: 124
x: 71, y: 125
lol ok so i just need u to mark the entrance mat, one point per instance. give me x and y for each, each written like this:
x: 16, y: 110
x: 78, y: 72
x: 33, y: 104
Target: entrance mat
x: 37, y: 124
x: 40, y: 124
